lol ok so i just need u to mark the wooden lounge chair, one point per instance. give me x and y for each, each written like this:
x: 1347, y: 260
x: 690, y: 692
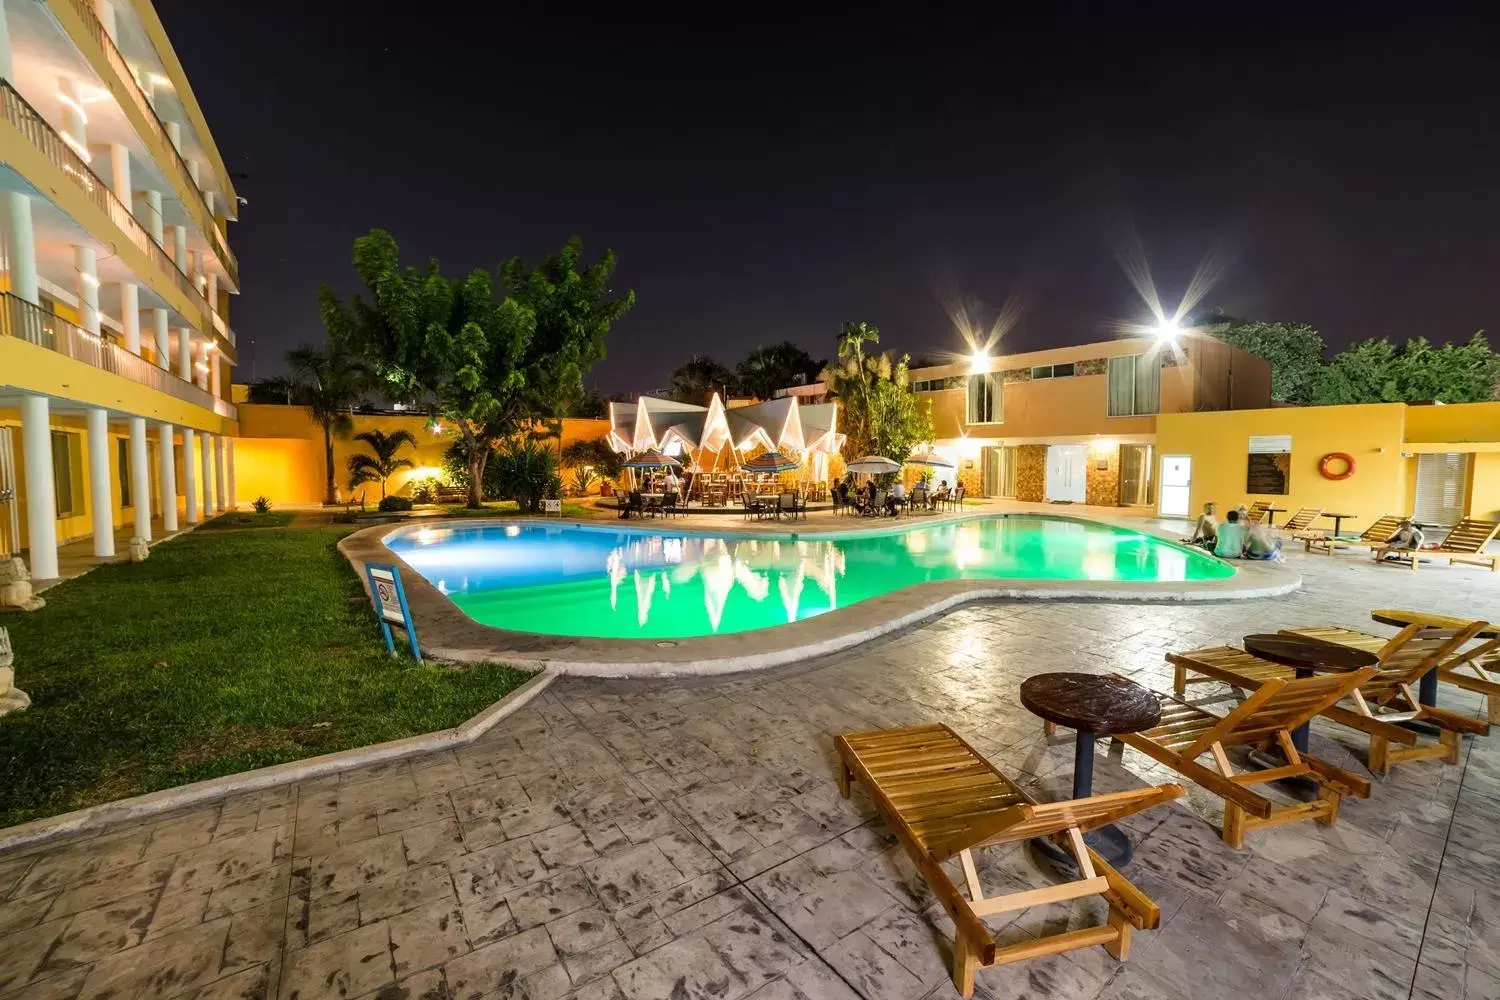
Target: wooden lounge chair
x: 942, y: 798
x: 1389, y: 699
x: 1373, y: 537
x: 1302, y: 520
x: 1264, y: 720
x: 1464, y: 544
x: 1257, y: 512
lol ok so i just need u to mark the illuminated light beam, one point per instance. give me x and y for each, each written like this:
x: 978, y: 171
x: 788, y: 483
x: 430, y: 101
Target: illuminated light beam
x: 980, y: 343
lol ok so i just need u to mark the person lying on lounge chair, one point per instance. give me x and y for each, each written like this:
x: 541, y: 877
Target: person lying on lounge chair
x: 1408, y: 537
x: 1207, y: 528
x: 1229, y: 543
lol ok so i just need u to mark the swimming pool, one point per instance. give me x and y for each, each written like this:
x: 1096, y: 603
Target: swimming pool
x: 656, y: 583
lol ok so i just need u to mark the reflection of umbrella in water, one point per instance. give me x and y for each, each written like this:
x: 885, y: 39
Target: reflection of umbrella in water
x: 771, y: 461
x: 874, y: 465
x: 930, y: 458
x: 652, y: 459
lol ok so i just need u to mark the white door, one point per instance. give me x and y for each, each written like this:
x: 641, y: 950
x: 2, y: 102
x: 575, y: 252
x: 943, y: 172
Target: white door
x: 1065, y: 472
x: 1440, y: 488
x: 1176, y: 480
x: 10, y: 503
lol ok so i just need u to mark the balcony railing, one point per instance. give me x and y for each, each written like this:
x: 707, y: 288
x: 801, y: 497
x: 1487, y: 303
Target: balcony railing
x: 26, y: 120
x: 85, y: 11
x: 35, y: 325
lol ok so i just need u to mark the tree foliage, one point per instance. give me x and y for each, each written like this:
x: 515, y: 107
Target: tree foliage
x: 1377, y: 371
x: 526, y: 472
x: 489, y: 367
x: 775, y: 366
x: 329, y: 381
x: 1293, y: 350
x: 697, y: 379
x: 377, y: 468
x: 277, y: 390
x: 880, y: 415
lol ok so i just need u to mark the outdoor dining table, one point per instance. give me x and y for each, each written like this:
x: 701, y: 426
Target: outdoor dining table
x: 1092, y: 705
x: 1338, y: 520
x: 1427, y: 687
x: 1307, y: 657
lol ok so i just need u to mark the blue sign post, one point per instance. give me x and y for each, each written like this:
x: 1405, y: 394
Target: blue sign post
x: 391, y: 607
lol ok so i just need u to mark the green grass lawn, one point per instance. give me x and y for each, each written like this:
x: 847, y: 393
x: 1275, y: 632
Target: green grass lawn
x: 222, y: 652
x: 249, y: 519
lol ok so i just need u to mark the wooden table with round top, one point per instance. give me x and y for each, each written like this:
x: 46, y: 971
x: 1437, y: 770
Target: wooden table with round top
x: 1093, y: 705
x: 1306, y: 657
x: 1427, y: 687
x: 1338, y: 520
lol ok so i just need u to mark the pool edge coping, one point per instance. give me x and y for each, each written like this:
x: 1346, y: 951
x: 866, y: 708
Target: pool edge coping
x: 446, y: 633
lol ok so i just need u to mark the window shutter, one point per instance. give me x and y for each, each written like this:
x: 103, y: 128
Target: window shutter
x: 1440, y: 487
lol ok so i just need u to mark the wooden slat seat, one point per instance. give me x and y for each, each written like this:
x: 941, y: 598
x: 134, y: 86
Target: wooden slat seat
x: 1372, y: 537
x: 1464, y: 544
x: 1257, y: 511
x: 1225, y: 665
x: 1264, y: 720
x: 1302, y: 519
x: 942, y: 798
x: 1388, y: 700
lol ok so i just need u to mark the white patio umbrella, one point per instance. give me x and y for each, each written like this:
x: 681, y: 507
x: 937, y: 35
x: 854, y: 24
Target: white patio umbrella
x: 930, y: 458
x: 874, y: 465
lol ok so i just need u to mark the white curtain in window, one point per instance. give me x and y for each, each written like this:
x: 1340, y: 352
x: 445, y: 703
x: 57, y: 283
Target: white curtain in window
x: 1147, y: 384
x: 1122, y: 386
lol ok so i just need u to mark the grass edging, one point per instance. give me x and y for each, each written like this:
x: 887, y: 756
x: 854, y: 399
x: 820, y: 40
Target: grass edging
x: 171, y: 799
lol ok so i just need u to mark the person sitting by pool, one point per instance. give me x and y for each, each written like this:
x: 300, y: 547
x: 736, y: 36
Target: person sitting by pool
x: 1229, y: 542
x: 1207, y: 528
x: 1259, y: 542
x: 1408, y: 538
x: 895, y: 498
x: 672, y: 483
x: 940, y: 495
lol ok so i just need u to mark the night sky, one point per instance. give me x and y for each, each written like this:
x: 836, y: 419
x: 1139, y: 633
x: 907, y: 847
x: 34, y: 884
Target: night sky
x: 770, y: 180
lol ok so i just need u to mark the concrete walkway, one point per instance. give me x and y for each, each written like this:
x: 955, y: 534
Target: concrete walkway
x: 684, y: 839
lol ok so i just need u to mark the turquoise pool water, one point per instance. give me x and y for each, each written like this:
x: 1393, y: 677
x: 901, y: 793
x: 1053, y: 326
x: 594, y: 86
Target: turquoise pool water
x: 655, y: 583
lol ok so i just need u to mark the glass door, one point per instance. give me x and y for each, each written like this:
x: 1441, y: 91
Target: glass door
x: 1137, y: 488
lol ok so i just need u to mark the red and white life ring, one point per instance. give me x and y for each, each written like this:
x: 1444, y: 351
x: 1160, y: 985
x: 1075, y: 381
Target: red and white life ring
x: 1336, y: 456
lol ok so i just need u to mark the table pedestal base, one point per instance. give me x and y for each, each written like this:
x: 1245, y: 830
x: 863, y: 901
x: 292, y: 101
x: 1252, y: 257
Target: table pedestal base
x: 1109, y: 842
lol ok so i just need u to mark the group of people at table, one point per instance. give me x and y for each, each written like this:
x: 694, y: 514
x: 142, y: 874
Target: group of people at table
x: 864, y: 498
x: 1240, y: 538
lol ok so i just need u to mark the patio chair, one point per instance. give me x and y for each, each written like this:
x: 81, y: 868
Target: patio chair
x: 917, y: 499
x: 1388, y: 700
x: 750, y: 507
x: 1374, y: 536
x: 1302, y: 520
x: 1264, y: 720
x: 669, y: 506
x: 789, y: 504
x: 956, y: 499
x: 941, y: 798
x: 1464, y: 544
x: 877, y: 505
x: 355, y: 502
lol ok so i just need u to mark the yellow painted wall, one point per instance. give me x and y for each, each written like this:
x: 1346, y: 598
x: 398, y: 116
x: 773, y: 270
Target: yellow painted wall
x: 1219, y: 445
x: 1476, y: 422
x: 1484, y: 485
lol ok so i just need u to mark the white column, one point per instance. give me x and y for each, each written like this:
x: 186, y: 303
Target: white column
x: 168, y: 463
x: 106, y: 12
x: 130, y: 316
x: 87, y: 285
x: 200, y: 372
x: 163, y: 339
x: 119, y: 172
x: 41, y: 503
x: 211, y: 291
x: 20, y: 242
x: 174, y: 133
x: 140, y: 478
x: 229, y: 471
x: 190, y: 474
x: 207, y: 447
x: 213, y: 373
x: 219, y: 495
x: 179, y: 248
x: 153, y: 218
x: 74, y: 119
x: 195, y: 269
x: 185, y: 354
x: 101, y: 503
x: 6, y: 70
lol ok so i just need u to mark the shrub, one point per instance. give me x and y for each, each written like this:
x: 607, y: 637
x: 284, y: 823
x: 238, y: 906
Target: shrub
x: 425, y: 491
x: 394, y: 503
x: 262, y: 505
x: 526, y: 471
x: 584, y: 478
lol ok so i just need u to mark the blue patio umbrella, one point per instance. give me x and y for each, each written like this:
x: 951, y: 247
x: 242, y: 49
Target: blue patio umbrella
x: 771, y: 461
x: 652, y: 459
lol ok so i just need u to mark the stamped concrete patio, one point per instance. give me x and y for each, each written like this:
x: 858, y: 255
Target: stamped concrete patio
x: 684, y: 839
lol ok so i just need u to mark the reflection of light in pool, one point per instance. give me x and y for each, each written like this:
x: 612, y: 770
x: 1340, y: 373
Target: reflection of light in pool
x: 567, y: 580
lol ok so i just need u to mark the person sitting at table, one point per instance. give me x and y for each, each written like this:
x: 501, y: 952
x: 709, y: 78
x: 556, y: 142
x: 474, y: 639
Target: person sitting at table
x: 1259, y: 542
x: 895, y: 498
x: 1229, y: 541
x: 1408, y: 538
x: 940, y: 495
x: 672, y: 484
x: 1207, y: 528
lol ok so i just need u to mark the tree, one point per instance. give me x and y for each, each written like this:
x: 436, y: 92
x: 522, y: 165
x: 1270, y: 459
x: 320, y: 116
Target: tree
x: 775, y: 366
x: 879, y: 414
x: 379, y: 467
x: 1293, y: 350
x: 1377, y: 371
x: 329, y: 381
x: 698, y: 378
x: 280, y: 390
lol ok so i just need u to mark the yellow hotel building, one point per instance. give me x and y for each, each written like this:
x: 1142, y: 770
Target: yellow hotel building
x: 116, y: 352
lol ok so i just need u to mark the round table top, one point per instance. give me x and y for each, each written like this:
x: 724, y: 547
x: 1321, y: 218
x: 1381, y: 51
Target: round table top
x: 1329, y: 513
x: 1094, y: 702
x: 1400, y: 619
x: 1304, y: 653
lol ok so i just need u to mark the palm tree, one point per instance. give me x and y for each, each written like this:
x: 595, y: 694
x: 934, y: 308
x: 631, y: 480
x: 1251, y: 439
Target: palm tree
x: 379, y: 467
x: 330, y: 380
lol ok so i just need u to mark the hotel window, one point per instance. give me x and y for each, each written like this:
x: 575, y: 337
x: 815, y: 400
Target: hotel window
x: 986, y: 399
x: 1134, y: 385
x: 122, y: 449
x: 64, y: 451
x: 1053, y: 371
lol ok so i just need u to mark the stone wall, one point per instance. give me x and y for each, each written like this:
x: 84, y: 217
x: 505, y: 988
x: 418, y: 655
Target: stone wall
x: 1102, y: 485
x: 1031, y: 472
